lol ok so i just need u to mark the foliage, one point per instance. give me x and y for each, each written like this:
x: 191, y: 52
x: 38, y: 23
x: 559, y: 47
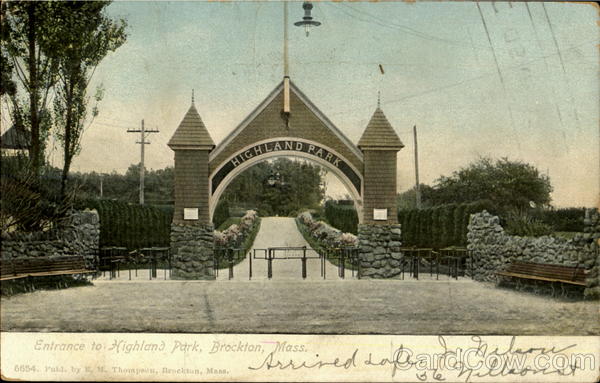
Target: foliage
x: 28, y: 34
x: 233, y: 235
x: 158, y: 185
x: 84, y: 35
x: 408, y: 199
x: 248, y: 189
x: 342, y: 216
x: 30, y: 202
x: 566, y: 219
x: 221, y: 213
x: 300, y: 187
x: 228, y: 222
x: 49, y: 51
x: 507, y: 184
x: 238, y: 233
x: 326, y: 235
x: 130, y: 225
x: 439, y: 226
x: 522, y: 223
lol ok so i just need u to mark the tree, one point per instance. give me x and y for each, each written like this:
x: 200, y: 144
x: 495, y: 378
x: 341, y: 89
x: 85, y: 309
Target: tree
x: 84, y: 36
x: 408, y: 200
x: 28, y: 32
x: 300, y: 187
x: 508, y: 184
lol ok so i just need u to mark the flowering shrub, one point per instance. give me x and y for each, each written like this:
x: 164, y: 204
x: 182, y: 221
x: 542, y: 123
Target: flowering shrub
x: 220, y: 238
x: 234, y: 235
x: 325, y: 234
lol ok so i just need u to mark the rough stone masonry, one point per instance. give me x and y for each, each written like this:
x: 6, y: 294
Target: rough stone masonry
x: 493, y: 249
x: 78, y: 234
x: 380, y: 255
x: 192, y: 247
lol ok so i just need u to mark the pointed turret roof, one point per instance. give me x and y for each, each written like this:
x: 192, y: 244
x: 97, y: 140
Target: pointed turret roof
x: 191, y: 132
x: 380, y: 134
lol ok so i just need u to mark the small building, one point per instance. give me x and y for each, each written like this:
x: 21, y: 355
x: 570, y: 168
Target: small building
x: 15, y: 141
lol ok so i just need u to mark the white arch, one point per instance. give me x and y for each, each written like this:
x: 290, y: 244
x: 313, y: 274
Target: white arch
x: 356, y: 195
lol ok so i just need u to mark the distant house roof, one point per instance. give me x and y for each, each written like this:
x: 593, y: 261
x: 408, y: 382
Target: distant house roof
x: 15, y: 138
x: 380, y: 134
x: 191, y: 132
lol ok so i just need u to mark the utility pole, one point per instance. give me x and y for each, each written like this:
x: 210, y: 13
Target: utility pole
x: 417, y: 186
x: 101, y: 189
x: 143, y: 135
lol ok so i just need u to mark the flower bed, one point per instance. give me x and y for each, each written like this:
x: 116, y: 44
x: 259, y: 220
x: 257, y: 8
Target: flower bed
x: 235, y: 234
x: 324, y: 235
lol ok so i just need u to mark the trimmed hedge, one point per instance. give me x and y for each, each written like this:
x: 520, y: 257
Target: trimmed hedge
x: 130, y: 225
x: 342, y: 216
x: 221, y: 213
x: 439, y: 226
x: 566, y: 219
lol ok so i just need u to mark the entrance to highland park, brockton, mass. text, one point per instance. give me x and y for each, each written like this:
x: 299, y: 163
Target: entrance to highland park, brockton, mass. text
x: 300, y: 191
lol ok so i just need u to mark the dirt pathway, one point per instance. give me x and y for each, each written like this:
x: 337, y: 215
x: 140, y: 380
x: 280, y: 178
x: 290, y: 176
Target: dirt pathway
x: 281, y: 232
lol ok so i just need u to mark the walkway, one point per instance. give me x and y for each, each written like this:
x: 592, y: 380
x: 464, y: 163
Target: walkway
x: 281, y: 232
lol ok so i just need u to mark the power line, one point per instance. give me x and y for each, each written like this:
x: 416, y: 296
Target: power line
x: 510, y: 113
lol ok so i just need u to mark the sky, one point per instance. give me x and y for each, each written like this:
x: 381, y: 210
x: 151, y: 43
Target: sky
x: 527, y: 89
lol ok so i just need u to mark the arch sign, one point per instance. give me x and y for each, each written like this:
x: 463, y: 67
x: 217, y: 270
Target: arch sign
x: 289, y: 146
x: 285, y: 146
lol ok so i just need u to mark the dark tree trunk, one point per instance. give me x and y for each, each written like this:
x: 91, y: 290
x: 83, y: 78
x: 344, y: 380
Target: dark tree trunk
x: 34, y: 151
x: 68, y: 150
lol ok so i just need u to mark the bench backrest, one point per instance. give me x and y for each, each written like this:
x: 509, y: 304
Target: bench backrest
x: 47, y: 264
x: 6, y: 267
x: 567, y: 273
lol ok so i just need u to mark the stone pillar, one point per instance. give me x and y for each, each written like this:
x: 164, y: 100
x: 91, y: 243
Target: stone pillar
x: 380, y: 234
x: 192, y: 243
x: 192, y: 248
x: 380, y: 255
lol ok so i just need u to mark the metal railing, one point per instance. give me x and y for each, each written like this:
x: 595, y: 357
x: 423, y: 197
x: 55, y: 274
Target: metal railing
x: 454, y: 260
x: 229, y: 257
x: 112, y: 258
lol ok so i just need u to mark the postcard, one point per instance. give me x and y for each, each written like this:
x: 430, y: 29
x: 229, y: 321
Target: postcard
x: 300, y: 191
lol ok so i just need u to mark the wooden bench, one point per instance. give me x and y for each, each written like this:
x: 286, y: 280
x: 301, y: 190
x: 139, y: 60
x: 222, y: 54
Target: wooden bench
x: 42, y: 266
x: 546, y: 273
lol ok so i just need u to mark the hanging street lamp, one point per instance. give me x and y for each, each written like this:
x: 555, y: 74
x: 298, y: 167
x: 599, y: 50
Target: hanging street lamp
x: 307, y: 20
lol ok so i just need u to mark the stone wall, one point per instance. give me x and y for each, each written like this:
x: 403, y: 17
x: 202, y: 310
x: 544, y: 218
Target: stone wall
x: 589, y: 241
x: 493, y: 249
x: 79, y: 234
x: 192, y: 249
x: 380, y: 255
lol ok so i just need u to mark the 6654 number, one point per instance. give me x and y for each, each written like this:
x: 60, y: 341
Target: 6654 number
x: 25, y: 368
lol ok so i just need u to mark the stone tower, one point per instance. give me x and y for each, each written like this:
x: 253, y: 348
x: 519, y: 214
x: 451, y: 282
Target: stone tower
x: 379, y: 234
x: 191, y: 229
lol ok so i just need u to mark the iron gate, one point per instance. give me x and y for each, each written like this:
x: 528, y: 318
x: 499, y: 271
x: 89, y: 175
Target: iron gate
x: 345, y: 257
x: 226, y: 257
x: 341, y: 257
x: 287, y: 253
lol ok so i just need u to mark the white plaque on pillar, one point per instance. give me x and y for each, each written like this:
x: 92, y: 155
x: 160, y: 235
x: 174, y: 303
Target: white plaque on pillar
x: 190, y: 213
x: 380, y: 214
